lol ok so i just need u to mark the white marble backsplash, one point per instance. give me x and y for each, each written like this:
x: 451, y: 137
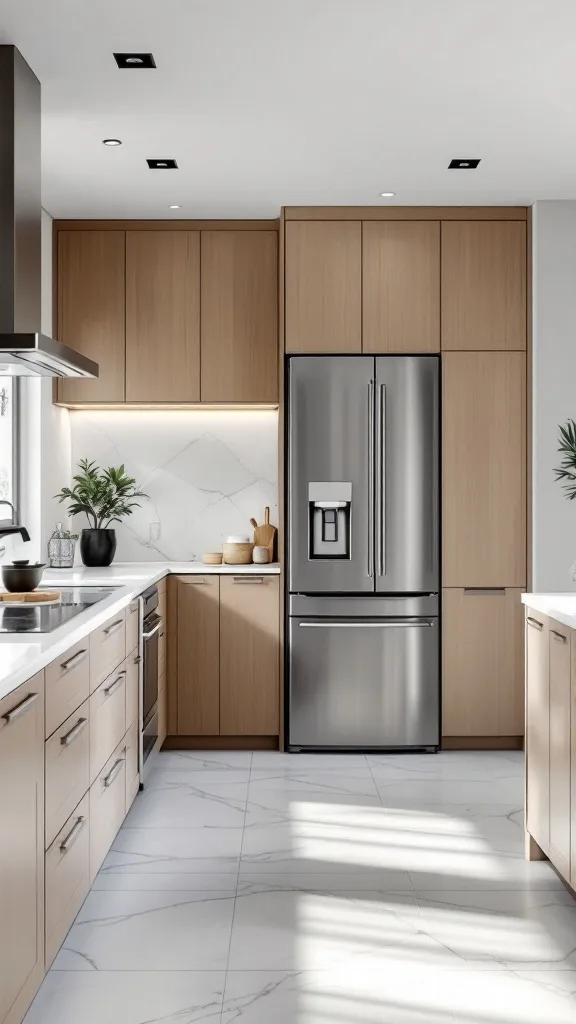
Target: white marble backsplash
x: 206, y: 473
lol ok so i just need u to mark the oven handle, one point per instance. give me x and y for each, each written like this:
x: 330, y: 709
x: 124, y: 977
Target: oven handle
x: 146, y: 636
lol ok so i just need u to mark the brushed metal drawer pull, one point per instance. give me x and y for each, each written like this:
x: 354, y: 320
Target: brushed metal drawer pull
x: 248, y: 579
x: 74, y: 732
x: 365, y: 625
x: 74, y: 660
x: 561, y: 639
x: 197, y: 583
x: 151, y: 632
x: 484, y: 590
x: 77, y: 828
x: 116, y: 767
x: 115, y: 625
x: 534, y: 622
x: 20, y: 708
x: 109, y: 690
x: 137, y: 659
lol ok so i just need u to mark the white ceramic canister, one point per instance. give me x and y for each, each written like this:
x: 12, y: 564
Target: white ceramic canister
x: 260, y: 555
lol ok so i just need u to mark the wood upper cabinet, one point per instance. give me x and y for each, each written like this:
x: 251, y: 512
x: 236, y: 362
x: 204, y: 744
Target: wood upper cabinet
x: 323, y: 286
x: 537, y: 728
x: 162, y: 316
x: 401, y: 286
x: 482, y: 663
x: 198, y: 655
x: 484, y: 469
x: 239, y: 358
x: 249, y: 656
x: 91, y: 315
x: 483, y: 285
x: 560, y: 746
x: 21, y: 847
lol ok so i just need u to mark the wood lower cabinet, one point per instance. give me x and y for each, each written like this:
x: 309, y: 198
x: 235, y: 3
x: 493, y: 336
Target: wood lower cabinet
x: 400, y: 286
x: 198, y: 655
x: 484, y: 469
x: 482, y: 663
x: 91, y: 316
x: 537, y: 728
x: 239, y: 325
x: 107, y: 807
x: 67, y: 765
x: 560, y: 746
x: 162, y: 316
x: 323, y: 289
x: 483, y: 285
x: 21, y: 848
x: 249, y: 656
x: 67, y: 877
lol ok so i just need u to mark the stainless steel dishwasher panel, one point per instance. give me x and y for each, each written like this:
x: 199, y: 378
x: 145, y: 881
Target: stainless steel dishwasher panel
x: 363, y: 683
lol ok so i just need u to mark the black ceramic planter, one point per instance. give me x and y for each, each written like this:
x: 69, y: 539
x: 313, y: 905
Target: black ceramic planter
x: 97, y: 547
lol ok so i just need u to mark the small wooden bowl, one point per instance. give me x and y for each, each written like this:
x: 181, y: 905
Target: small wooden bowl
x: 212, y: 558
x: 237, y: 554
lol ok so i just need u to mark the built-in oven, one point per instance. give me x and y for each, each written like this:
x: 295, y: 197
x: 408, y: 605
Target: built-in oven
x: 151, y: 626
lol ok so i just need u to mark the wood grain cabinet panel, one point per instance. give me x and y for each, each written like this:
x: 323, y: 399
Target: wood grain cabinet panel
x: 67, y: 767
x: 91, y: 310
x: 323, y: 286
x: 162, y: 316
x: 21, y: 847
x: 484, y: 285
x: 198, y: 653
x: 482, y: 663
x: 249, y: 656
x: 239, y: 320
x: 67, y: 877
x: 401, y: 286
x: 560, y: 745
x: 484, y: 469
x: 537, y: 729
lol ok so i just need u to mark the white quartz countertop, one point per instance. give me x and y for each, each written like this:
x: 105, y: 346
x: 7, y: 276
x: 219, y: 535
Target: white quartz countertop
x: 22, y: 657
x: 561, y: 607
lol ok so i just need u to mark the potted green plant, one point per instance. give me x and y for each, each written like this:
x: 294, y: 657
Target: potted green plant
x: 104, y: 496
x: 567, y: 469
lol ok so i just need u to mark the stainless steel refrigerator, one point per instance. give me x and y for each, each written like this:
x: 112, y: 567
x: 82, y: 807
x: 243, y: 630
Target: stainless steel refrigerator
x: 363, y: 552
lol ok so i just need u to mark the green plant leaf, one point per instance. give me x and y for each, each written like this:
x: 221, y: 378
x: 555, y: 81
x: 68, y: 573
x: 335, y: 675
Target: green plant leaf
x: 103, y: 496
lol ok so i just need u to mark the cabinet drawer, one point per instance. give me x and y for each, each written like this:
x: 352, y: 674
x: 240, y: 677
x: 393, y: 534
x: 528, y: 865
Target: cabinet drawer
x: 67, y: 769
x: 107, y: 719
x: 67, y: 684
x: 132, y: 774
x: 107, y: 807
x: 131, y: 665
x: 107, y: 648
x: 132, y: 626
x: 67, y: 877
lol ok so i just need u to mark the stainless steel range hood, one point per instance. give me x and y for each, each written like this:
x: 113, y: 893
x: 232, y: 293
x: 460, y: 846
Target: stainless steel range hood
x: 24, y: 350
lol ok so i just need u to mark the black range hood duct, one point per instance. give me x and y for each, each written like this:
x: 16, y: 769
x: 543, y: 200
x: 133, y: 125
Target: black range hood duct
x: 24, y: 350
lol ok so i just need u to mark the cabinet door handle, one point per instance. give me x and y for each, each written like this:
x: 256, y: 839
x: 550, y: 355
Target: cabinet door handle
x: 74, y: 660
x: 20, y: 708
x: 247, y: 580
x: 534, y: 622
x: 116, y: 767
x: 109, y: 690
x: 146, y: 636
x: 74, y: 732
x: 196, y: 582
x: 559, y: 637
x: 484, y: 590
x: 115, y: 625
x: 77, y: 828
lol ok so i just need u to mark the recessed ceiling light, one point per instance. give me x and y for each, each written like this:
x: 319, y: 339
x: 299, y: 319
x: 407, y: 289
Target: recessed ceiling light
x: 387, y: 195
x: 135, y: 60
x: 174, y: 206
x: 111, y: 142
x: 463, y: 164
x: 162, y: 165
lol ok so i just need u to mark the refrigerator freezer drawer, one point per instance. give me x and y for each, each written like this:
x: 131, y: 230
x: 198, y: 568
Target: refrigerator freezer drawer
x: 363, y: 683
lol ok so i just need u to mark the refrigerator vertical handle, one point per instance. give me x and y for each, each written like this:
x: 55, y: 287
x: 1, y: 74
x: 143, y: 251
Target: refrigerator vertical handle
x: 371, y: 478
x: 381, y: 478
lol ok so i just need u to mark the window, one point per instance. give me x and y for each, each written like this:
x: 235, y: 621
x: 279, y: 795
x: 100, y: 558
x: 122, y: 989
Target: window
x: 8, y: 446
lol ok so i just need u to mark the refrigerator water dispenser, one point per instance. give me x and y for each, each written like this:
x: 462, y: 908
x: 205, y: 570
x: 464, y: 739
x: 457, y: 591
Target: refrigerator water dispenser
x: 329, y: 507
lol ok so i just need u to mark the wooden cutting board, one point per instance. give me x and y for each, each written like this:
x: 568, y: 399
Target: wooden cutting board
x: 32, y: 597
x: 265, y: 535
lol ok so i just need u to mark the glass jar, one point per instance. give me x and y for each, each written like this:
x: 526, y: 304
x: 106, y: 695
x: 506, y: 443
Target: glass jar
x: 61, y: 547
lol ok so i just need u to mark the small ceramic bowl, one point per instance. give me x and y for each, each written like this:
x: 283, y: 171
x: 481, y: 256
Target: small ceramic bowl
x: 212, y: 558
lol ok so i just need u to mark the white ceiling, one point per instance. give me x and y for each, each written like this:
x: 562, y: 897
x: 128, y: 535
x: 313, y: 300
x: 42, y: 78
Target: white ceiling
x: 266, y: 103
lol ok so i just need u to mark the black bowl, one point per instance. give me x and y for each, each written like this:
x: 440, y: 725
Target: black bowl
x: 20, y: 579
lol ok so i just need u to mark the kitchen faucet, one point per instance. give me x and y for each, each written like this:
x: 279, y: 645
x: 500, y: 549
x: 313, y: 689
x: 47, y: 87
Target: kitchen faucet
x: 6, y: 530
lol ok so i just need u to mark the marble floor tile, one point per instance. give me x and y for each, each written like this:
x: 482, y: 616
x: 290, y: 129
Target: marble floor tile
x: 485, y: 767
x: 184, y: 850
x: 169, y: 881
x: 509, y: 792
x: 126, y: 997
x: 298, y: 763
x: 356, y: 780
x: 272, y: 805
x: 149, y: 931
x: 204, y: 760
x: 174, y: 800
